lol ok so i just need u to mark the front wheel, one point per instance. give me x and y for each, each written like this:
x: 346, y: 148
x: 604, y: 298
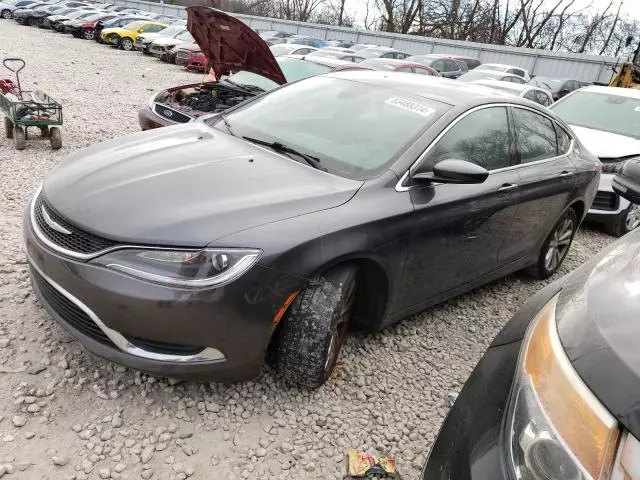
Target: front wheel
x: 6, y: 14
x: 8, y: 127
x: 628, y: 220
x: 88, y: 34
x: 19, y: 137
x: 312, y: 332
x: 556, y: 246
x: 55, y: 138
x: 126, y: 44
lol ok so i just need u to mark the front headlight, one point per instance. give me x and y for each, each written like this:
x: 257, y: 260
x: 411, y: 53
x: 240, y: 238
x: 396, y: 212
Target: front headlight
x: 557, y: 428
x: 182, y: 268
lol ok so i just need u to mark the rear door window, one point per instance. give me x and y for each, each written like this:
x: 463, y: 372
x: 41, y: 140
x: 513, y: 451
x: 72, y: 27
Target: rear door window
x: 422, y: 71
x: 438, y: 65
x: 482, y: 137
x: 535, y: 136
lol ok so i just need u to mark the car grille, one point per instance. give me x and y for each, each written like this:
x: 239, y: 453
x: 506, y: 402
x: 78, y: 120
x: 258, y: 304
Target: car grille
x: 171, y: 114
x: 78, y: 241
x: 605, y: 201
x: 159, y: 347
x: 182, y: 57
x: 69, y: 311
x: 155, y: 50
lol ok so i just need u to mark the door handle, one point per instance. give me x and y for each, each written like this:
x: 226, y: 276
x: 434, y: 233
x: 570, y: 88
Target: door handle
x: 507, y: 187
x: 566, y: 174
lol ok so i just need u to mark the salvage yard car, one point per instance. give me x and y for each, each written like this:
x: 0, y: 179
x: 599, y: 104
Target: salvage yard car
x: 538, y: 95
x: 193, y: 250
x: 607, y: 121
x: 257, y: 71
x: 557, y: 394
x: 125, y: 37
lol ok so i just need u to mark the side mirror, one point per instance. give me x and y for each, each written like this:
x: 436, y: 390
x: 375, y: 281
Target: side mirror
x: 627, y: 182
x: 453, y: 171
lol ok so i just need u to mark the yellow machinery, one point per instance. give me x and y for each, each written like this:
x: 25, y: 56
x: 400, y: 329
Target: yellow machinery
x: 627, y: 74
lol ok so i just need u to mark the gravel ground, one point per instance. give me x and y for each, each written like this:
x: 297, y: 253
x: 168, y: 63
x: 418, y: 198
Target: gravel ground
x: 66, y: 414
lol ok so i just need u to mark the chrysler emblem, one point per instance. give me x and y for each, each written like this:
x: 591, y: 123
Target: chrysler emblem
x: 52, y: 223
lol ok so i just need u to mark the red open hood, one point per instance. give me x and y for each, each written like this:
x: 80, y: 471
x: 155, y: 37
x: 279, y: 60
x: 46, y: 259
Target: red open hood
x: 229, y: 44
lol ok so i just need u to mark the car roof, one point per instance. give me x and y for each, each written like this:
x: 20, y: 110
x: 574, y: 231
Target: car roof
x: 395, y: 62
x: 434, y: 88
x: 327, y: 61
x: 516, y: 87
x: 622, y: 92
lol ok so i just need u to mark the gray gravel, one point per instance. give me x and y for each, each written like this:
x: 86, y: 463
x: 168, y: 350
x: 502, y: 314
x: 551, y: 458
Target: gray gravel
x: 65, y: 413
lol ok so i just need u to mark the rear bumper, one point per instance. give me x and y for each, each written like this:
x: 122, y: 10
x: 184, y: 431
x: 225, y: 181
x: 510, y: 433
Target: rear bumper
x: 215, y: 334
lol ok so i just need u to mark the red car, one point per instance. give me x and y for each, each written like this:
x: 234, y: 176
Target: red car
x: 196, y: 61
x: 184, y: 51
x: 394, y: 65
x: 245, y: 68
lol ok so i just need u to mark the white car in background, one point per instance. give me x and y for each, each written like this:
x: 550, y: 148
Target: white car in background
x: 607, y: 122
x: 535, y: 94
x: 502, y: 68
x: 290, y: 49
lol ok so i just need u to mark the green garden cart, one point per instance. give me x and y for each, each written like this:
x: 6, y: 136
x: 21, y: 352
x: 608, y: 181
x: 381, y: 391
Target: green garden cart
x: 23, y: 109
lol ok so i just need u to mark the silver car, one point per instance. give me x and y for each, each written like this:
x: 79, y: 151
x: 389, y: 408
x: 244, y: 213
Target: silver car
x: 607, y: 122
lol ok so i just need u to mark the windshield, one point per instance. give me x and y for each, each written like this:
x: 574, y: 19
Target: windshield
x: 477, y: 75
x: 601, y: 111
x: 338, y: 121
x: 282, y: 49
x: 85, y: 15
x: 552, y: 84
x: 133, y: 25
x: 292, y: 68
x: 185, y: 37
x: 170, y: 31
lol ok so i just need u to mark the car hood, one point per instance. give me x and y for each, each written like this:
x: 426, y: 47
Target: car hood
x: 148, y: 37
x: 55, y: 18
x: 598, y: 325
x: 606, y: 144
x: 185, y: 185
x: 167, y: 41
x: 231, y: 45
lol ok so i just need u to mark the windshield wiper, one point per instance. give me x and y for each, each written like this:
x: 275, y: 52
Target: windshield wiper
x: 281, y: 147
x: 227, y: 125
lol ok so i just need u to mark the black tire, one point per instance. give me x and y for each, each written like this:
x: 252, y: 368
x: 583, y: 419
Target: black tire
x: 8, y: 127
x: 556, y: 246
x: 33, y: 22
x: 44, y: 132
x: 627, y: 221
x: 55, y: 138
x: 88, y: 33
x: 313, y: 330
x: 6, y: 14
x: 19, y: 137
x: 126, y: 44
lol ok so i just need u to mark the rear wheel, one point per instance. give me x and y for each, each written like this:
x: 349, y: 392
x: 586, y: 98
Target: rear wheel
x: 6, y: 14
x: 625, y: 222
x: 19, y: 138
x: 556, y: 246
x: 312, y: 332
x: 88, y: 33
x: 8, y: 127
x: 126, y: 44
x: 55, y: 138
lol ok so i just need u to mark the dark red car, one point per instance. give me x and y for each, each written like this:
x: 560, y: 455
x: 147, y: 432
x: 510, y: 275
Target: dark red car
x: 244, y: 68
x: 394, y: 65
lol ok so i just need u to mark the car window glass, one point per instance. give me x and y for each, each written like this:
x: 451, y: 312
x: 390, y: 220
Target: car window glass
x: 544, y: 99
x: 518, y: 80
x: 404, y: 69
x: 535, y: 136
x: 564, y: 140
x: 481, y: 137
x: 400, y: 56
x: 451, y: 66
x: 438, y: 65
x: 422, y: 71
x: 532, y: 95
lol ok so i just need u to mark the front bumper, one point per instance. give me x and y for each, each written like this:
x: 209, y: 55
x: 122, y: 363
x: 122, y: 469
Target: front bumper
x: 216, y: 334
x: 607, y: 205
x: 110, y: 39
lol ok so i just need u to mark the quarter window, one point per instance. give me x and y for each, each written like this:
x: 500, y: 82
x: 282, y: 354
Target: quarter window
x: 481, y: 137
x: 564, y: 141
x: 535, y: 136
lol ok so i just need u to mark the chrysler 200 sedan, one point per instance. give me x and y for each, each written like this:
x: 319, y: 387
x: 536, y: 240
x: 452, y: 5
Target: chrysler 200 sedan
x: 347, y: 199
x: 556, y: 395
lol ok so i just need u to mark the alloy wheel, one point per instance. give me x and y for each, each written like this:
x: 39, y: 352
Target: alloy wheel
x: 127, y: 44
x: 89, y: 34
x: 559, y: 245
x: 633, y: 217
x: 6, y: 14
x: 340, y: 331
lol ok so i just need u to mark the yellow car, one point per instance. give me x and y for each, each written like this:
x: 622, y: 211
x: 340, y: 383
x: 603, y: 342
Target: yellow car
x: 124, y: 37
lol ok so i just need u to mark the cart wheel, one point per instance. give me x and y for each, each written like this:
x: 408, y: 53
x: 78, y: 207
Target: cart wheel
x: 44, y: 132
x: 18, y: 137
x: 8, y: 127
x: 55, y: 137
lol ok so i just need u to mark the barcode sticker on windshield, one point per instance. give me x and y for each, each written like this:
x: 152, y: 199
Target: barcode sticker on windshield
x: 410, y: 105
